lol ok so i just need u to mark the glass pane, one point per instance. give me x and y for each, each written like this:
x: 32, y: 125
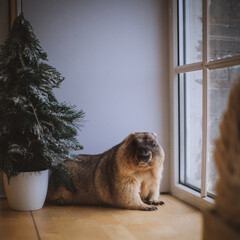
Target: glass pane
x: 190, y: 31
x: 224, y: 28
x: 191, y: 125
x: 220, y: 83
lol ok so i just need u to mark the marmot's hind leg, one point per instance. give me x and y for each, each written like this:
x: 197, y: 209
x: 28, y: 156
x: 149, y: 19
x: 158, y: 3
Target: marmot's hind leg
x: 60, y: 197
x: 60, y: 201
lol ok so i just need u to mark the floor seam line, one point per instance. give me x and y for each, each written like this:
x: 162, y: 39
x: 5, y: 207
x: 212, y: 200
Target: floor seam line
x: 35, y: 226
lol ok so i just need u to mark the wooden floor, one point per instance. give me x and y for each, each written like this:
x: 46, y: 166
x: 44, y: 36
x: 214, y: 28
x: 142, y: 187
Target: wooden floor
x: 174, y: 220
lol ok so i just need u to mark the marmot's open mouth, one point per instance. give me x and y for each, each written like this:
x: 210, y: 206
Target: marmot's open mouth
x: 143, y: 164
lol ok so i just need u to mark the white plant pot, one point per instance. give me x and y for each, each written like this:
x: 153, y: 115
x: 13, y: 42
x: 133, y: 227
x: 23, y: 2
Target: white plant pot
x: 27, y: 191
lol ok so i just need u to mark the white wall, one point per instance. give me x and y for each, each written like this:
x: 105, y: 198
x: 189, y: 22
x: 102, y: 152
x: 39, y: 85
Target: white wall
x: 113, y: 54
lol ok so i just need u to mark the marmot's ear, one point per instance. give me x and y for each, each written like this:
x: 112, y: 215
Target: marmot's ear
x: 155, y: 135
x: 129, y: 137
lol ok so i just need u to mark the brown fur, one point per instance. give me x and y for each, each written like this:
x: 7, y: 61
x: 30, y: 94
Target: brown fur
x: 126, y: 176
x: 227, y: 160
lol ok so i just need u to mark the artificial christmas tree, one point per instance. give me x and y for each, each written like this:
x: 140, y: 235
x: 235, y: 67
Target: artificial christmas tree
x: 36, y: 131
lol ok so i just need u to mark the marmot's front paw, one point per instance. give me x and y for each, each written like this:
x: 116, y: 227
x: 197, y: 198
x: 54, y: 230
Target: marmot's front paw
x: 155, y: 202
x: 150, y: 208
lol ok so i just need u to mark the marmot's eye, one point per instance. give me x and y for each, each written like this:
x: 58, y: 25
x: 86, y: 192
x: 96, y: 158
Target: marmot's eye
x: 154, y: 144
x: 134, y: 142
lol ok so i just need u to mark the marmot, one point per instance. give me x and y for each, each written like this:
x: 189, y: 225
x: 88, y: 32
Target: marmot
x: 126, y: 176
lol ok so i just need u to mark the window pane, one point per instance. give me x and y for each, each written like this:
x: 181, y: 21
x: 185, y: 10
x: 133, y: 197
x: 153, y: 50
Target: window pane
x: 191, y: 129
x: 224, y: 28
x: 190, y: 31
x: 220, y: 83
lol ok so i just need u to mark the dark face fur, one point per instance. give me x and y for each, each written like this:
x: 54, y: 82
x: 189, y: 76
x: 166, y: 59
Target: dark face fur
x: 145, y: 148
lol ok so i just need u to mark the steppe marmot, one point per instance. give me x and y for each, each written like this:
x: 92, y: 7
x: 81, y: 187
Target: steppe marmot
x: 126, y: 176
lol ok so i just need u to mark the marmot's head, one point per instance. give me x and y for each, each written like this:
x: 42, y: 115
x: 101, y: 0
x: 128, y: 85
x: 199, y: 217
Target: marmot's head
x: 144, y: 150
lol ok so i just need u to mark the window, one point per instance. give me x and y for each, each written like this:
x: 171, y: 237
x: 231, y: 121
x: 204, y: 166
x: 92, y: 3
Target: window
x: 205, y: 62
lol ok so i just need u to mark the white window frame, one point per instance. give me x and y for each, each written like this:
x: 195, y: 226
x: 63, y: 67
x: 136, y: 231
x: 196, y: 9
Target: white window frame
x: 199, y: 200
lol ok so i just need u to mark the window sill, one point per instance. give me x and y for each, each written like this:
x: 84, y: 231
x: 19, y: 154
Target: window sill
x: 192, y: 197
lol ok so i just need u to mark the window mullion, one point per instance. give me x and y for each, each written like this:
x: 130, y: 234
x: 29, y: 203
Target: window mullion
x: 204, y: 135
x: 205, y: 101
x: 189, y: 67
x: 223, y: 63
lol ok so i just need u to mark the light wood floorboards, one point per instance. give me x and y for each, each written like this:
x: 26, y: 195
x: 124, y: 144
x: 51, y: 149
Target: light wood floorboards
x: 174, y: 220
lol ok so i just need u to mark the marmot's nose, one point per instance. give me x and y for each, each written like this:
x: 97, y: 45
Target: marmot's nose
x: 143, y: 152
